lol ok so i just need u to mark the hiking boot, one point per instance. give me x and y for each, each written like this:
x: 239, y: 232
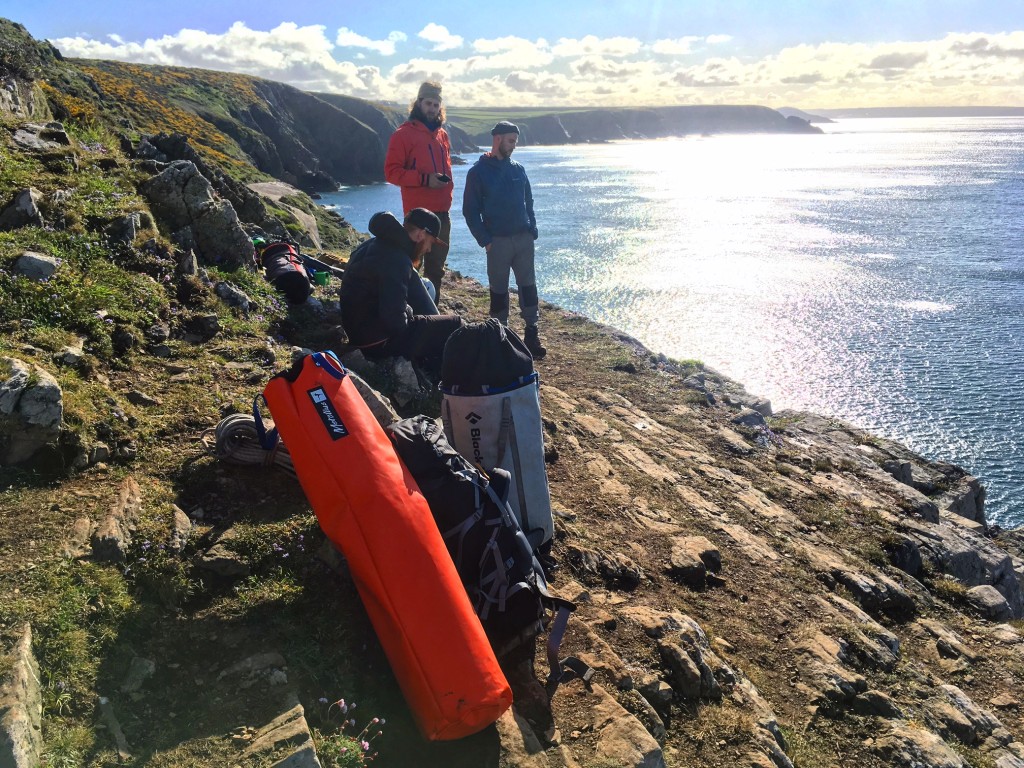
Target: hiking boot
x: 532, y: 341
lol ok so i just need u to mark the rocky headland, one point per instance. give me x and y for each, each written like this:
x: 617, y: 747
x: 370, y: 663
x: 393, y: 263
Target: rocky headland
x: 754, y: 588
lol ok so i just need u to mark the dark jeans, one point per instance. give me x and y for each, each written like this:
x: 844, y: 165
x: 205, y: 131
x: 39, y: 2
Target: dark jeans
x: 433, y: 262
x: 422, y: 340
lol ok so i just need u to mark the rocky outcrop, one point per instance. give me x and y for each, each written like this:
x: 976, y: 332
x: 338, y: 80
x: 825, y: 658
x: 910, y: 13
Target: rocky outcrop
x: 21, y: 708
x: 22, y: 61
x: 183, y: 202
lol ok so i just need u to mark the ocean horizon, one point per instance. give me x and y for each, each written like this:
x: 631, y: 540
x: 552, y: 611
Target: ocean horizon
x: 874, y: 273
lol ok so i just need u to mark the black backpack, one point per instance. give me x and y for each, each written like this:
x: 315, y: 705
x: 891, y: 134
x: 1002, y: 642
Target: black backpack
x: 481, y: 357
x: 502, y: 577
x: 285, y: 271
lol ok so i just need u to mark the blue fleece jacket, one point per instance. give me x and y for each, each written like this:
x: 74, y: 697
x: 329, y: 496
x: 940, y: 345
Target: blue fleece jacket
x: 497, y: 201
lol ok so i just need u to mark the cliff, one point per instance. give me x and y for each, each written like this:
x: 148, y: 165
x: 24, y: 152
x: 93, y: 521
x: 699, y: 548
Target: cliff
x: 581, y: 126
x: 753, y: 589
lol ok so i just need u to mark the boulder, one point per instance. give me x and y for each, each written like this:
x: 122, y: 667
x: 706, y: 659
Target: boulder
x: 124, y: 229
x: 31, y: 410
x: 183, y: 202
x: 42, y: 138
x: 988, y: 602
x: 691, y: 553
x: 35, y: 266
x: 22, y: 210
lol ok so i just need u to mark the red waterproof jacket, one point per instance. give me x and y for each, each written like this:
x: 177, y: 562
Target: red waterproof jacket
x: 414, y: 152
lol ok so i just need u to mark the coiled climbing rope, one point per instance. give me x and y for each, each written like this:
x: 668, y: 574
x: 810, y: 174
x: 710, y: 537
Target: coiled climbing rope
x: 236, y: 440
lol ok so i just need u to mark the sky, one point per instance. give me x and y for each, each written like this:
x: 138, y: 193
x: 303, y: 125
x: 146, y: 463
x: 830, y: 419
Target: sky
x: 547, y: 53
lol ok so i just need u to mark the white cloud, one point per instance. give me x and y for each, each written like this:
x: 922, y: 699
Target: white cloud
x: 348, y: 39
x: 442, y: 39
x: 678, y: 47
x: 591, y: 45
x: 962, y: 68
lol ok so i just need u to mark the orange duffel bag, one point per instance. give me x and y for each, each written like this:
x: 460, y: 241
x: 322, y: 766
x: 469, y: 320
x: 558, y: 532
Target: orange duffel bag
x: 371, y: 508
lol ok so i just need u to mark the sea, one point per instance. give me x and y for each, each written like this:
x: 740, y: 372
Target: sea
x: 873, y: 273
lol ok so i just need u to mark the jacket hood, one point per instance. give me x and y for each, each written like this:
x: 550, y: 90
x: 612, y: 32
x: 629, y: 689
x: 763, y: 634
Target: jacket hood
x: 386, y: 226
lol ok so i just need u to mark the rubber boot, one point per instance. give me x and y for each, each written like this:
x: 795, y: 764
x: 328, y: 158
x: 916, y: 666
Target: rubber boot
x: 532, y: 340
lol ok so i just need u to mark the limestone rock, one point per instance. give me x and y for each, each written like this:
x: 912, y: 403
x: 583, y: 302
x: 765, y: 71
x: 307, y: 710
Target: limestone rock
x: 987, y: 601
x: 139, y: 671
x: 966, y: 498
x: 261, y: 668
x: 947, y: 642
x: 233, y: 295
x: 113, y: 535
x: 692, y: 557
x: 181, y: 529
x: 621, y: 737
x: 38, y: 137
x: 183, y: 200
x: 79, y: 541
x: 965, y: 720
x: 654, y: 623
x: 379, y: 405
x: 697, y: 671
x: 905, y: 746
x: 635, y: 703
x: 221, y: 560
x: 519, y: 744
x: 21, y: 708
x: 22, y: 210
x: 31, y: 410
x: 288, y: 730
x: 823, y: 670
x: 35, y: 266
x: 124, y: 229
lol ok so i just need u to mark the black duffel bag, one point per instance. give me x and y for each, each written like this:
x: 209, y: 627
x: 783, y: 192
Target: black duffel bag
x: 285, y: 271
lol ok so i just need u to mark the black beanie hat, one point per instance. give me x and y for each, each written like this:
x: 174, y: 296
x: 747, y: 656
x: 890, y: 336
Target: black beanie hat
x: 504, y: 127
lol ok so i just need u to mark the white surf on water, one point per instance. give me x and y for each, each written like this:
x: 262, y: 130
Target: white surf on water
x: 875, y: 273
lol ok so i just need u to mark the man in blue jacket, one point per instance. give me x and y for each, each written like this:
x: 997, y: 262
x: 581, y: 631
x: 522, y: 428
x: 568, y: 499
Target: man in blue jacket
x: 498, y: 206
x: 385, y: 308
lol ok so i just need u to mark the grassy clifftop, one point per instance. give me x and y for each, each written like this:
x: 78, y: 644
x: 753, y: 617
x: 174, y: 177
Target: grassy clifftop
x: 753, y: 591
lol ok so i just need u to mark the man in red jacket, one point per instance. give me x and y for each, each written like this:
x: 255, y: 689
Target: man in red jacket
x: 419, y: 160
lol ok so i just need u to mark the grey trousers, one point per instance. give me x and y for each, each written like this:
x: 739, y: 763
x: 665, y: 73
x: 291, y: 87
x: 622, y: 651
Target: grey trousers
x: 514, y: 254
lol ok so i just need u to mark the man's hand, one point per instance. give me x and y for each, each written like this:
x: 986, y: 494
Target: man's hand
x: 438, y: 180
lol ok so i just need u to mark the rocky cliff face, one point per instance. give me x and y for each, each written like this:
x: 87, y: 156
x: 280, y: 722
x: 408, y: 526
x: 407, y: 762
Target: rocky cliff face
x: 22, y: 61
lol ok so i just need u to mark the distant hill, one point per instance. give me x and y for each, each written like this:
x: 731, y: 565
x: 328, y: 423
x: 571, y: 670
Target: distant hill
x: 810, y: 118
x: 922, y: 112
x: 582, y: 126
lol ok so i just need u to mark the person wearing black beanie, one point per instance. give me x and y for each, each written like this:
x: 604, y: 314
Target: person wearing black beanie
x: 497, y: 204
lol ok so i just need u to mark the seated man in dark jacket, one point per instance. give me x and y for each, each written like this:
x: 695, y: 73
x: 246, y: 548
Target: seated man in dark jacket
x: 385, y: 308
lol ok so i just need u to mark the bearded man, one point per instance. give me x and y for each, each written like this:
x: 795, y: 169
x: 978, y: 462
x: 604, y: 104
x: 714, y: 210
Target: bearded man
x: 419, y: 160
x: 385, y: 308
